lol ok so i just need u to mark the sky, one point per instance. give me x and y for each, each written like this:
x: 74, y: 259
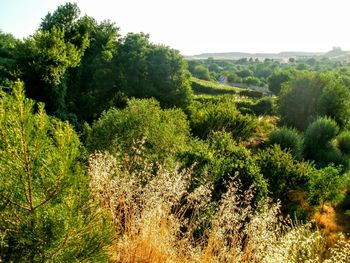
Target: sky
x: 202, y: 26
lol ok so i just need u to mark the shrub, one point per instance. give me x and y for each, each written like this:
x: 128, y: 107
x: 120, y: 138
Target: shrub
x: 288, y: 139
x: 310, y: 95
x: 221, y: 116
x: 343, y: 140
x: 335, y: 103
x: 219, y: 160
x: 209, y: 87
x: 282, y: 172
x: 277, y: 78
x: 320, y: 132
x: 164, y: 132
x: 264, y: 106
x: 325, y: 186
x: 317, y: 142
x: 46, y: 210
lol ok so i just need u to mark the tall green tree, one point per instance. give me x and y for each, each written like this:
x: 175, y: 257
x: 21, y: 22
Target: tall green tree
x: 8, y: 45
x: 93, y: 85
x: 168, y: 79
x: 43, y: 60
x: 66, y: 18
x: 149, y: 70
x: 277, y: 78
x: 335, y: 103
x: 46, y: 213
x: 298, y: 101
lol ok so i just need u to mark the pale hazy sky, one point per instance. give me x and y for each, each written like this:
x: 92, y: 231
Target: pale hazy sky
x: 194, y: 26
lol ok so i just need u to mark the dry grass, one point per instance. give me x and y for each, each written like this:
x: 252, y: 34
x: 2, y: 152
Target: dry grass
x: 157, y: 219
x: 327, y: 220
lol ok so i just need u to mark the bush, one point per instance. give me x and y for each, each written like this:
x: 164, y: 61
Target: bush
x: 298, y: 100
x: 264, y: 106
x: 310, y: 95
x: 219, y: 160
x: 335, y: 103
x: 164, y: 132
x: 282, y: 172
x: 250, y: 80
x: 46, y: 210
x: 288, y: 139
x: 343, y: 140
x: 318, y: 145
x: 209, y: 87
x: 320, y: 132
x: 201, y: 72
x: 325, y: 186
x: 221, y: 116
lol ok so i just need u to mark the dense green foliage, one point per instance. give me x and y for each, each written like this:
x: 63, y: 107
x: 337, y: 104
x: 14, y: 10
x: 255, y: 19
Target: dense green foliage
x: 221, y: 116
x: 148, y: 71
x: 46, y: 212
x: 343, y: 140
x: 141, y: 117
x: 288, y: 139
x: 220, y: 160
x: 282, y: 172
x: 325, y: 186
x: 82, y: 67
x: 163, y: 132
x: 277, y: 78
x: 208, y: 87
x: 310, y: 95
x: 318, y: 144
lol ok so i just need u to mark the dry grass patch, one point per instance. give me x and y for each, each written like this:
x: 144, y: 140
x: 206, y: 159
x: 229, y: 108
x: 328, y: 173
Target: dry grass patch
x: 158, y: 219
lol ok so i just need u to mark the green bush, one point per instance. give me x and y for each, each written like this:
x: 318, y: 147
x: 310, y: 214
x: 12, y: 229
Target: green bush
x: 318, y: 142
x: 277, y: 78
x: 221, y: 116
x: 219, y: 160
x: 325, y: 186
x: 288, y: 139
x: 282, y: 172
x: 264, y: 106
x: 320, y: 132
x: 343, y: 140
x: 47, y: 214
x: 310, y: 95
x: 164, y: 132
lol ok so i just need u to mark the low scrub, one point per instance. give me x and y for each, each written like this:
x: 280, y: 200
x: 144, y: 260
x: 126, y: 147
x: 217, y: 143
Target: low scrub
x: 158, y: 219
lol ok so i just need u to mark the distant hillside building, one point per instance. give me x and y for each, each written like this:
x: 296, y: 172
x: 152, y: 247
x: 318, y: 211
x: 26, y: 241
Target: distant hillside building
x: 223, y: 79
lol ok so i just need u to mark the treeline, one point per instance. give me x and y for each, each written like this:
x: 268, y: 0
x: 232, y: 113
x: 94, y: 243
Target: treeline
x: 268, y: 73
x: 107, y: 154
x: 79, y: 67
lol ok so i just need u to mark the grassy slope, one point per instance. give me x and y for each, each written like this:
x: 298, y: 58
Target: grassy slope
x: 208, y: 87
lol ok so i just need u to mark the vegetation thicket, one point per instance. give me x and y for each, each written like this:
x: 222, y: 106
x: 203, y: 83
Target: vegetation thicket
x: 46, y: 209
x: 113, y: 148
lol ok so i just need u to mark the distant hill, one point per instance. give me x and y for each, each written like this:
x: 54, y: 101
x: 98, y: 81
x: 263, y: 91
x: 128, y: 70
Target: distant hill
x: 335, y: 53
